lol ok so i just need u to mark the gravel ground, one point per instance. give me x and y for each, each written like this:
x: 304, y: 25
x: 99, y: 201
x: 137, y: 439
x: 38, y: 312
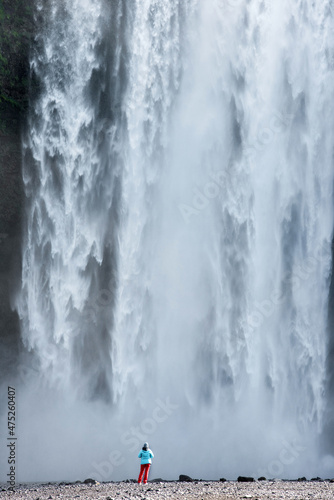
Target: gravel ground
x: 230, y: 490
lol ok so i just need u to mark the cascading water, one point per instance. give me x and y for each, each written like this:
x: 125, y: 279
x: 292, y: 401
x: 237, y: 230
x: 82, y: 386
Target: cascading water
x: 176, y: 262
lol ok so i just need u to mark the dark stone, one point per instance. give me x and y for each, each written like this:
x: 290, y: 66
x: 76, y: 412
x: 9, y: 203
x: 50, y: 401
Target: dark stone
x: 262, y: 478
x: 90, y: 481
x: 245, y: 479
x: 222, y: 480
x: 16, y: 32
x: 316, y: 479
x: 157, y: 480
x: 185, y: 478
x: 302, y: 479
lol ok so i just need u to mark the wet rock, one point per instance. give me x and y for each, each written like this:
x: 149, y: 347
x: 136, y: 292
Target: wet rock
x: 262, y: 478
x: 185, y: 478
x: 302, y: 479
x: 222, y: 480
x: 245, y: 479
x: 90, y: 481
x: 16, y: 31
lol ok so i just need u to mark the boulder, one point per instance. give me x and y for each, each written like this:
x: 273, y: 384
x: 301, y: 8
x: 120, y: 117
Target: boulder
x: 222, y: 480
x: 262, y: 478
x: 245, y: 479
x: 90, y: 481
x: 185, y: 478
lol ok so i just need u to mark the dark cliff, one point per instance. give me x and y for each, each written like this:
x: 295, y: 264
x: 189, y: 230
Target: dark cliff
x: 16, y: 34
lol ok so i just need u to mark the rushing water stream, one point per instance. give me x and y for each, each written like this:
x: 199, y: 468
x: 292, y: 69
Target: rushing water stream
x: 178, y: 168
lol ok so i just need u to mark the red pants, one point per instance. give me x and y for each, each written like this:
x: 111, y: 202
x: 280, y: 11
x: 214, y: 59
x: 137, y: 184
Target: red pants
x: 144, y: 468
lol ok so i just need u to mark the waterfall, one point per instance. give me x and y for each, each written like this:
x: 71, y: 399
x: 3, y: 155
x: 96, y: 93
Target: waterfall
x: 177, y: 246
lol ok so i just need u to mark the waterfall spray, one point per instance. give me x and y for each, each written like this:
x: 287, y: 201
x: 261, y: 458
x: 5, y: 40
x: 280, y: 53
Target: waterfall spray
x: 176, y: 260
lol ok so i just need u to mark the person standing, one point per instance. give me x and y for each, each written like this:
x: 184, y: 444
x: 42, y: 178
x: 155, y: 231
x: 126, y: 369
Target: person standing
x: 146, y: 455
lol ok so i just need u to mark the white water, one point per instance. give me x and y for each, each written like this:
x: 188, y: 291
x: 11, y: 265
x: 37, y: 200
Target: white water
x: 178, y: 168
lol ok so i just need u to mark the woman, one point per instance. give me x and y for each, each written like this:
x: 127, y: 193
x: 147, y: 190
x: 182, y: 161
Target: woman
x: 145, y: 454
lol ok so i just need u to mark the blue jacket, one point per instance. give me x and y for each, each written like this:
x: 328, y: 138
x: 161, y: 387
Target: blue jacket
x: 145, y: 456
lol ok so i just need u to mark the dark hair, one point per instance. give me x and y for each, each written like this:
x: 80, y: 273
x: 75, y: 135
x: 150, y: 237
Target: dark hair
x: 145, y: 447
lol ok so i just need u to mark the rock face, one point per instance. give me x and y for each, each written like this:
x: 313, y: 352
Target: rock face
x: 16, y: 32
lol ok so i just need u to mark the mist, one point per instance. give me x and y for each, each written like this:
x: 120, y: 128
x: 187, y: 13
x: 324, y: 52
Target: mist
x: 176, y: 258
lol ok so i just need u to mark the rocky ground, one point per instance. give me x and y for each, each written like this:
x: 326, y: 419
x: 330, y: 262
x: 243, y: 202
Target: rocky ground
x: 201, y: 490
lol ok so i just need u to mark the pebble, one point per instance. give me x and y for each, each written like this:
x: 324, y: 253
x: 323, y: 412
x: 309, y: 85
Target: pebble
x: 174, y: 490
